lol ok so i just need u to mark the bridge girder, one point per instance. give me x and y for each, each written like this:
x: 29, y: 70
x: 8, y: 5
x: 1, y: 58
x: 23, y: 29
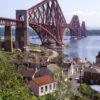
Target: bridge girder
x: 10, y: 22
x: 77, y: 30
x: 83, y: 29
x: 47, y: 19
x: 75, y: 26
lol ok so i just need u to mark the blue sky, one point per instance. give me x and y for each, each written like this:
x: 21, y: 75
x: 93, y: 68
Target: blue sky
x: 87, y: 10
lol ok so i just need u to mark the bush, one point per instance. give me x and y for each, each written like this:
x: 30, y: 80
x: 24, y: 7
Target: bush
x: 85, y: 90
x: 78, y: 98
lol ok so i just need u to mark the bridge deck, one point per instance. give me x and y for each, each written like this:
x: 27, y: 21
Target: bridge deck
x: 11, y: 22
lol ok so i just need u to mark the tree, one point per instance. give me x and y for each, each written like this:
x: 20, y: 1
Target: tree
x: 11, y: 85
x: 88, y: 93
x: 64, y: 87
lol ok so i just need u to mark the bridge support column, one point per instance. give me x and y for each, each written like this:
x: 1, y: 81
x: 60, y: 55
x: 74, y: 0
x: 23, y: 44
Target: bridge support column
x: 8, y: 39
x: 21, y: 30
x: 21, y: 37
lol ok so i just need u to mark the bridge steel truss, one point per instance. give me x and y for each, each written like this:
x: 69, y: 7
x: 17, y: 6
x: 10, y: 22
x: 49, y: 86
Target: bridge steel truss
x: 77, y: 30
x: 83, y: 29
x: 75, y: 26
x: 47, y: 19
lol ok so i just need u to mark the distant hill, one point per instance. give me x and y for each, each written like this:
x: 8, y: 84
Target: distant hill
x: 90, y: 33
x: 31, y: 32
x: 93, y: 28
x: 93, y: 32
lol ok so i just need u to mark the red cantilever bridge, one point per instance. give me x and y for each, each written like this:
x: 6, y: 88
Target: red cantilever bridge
x: 47, y: 19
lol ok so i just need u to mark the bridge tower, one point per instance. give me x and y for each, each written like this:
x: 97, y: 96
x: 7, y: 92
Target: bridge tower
x: 83, y: 29
x: 75, y: 27
x: 21, y: 30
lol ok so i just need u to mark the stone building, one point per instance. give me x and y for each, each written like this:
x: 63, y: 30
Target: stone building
x: 43, y: 85
x: 92, y: 75
x: 98, y: 58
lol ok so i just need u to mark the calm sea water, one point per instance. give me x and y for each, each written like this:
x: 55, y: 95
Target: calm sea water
x: 84, y: 48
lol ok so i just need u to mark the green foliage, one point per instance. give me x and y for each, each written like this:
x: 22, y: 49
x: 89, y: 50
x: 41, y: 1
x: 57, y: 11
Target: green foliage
x: 11, y: 85
x: 64, y: 90
x: 51, y: 97
x: 96, y: 96
x: 78, y: 98
x: 87, y: 92
x: 0, y: 98
x: 46, y: 97
x: 34, y: 98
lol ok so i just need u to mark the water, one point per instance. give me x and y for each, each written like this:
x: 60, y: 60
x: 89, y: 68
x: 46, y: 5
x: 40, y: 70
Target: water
x: 84, y: 48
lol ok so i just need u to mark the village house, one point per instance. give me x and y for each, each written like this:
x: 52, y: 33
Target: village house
x: 98, y: 58
x: 27, y: 73
x: 43, y: 85
x: 97, y: 63
x: 27, y: 70
x: 92, y: 75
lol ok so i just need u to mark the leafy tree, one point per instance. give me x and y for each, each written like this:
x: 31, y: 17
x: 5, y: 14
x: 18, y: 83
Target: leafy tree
x: 11, y: 85
x: 78, y: 98
x: 88, y: 93
x: 85, y: 90
x: 64, y: 88
x: 34, y: 98
x: 97, y: 96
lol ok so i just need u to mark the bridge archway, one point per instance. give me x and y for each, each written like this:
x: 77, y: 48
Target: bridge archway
x: 44, y: 34
x: 48, y: 17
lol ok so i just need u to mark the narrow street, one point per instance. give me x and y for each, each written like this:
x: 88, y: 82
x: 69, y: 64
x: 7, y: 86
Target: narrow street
x: 75, y: 84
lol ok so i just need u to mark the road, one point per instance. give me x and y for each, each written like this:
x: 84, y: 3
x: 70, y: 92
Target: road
x: 75, y: 84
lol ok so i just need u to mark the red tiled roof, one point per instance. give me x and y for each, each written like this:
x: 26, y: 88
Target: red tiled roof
x: 44, y: 80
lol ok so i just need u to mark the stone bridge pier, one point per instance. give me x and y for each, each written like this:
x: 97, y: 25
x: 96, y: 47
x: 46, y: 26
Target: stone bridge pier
x: 21, y: 30
x: 8, y: 44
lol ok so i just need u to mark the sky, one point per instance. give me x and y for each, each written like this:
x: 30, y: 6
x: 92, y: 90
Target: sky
x: 87, y: 10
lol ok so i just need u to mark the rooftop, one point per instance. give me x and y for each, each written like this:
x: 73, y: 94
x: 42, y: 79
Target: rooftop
x: 43, y: 71
x: 26, y: 72
x: 44, y: 80
x: 93, y: 70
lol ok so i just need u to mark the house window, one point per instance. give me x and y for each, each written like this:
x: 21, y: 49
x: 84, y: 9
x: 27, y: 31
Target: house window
x: 54, y: 85
x: 50, y: 86
x: 41, y: 89
x: 46, y: 88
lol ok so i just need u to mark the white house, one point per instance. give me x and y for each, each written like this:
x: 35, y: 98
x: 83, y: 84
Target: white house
x: 71, y: 70
x: 43, y: 85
